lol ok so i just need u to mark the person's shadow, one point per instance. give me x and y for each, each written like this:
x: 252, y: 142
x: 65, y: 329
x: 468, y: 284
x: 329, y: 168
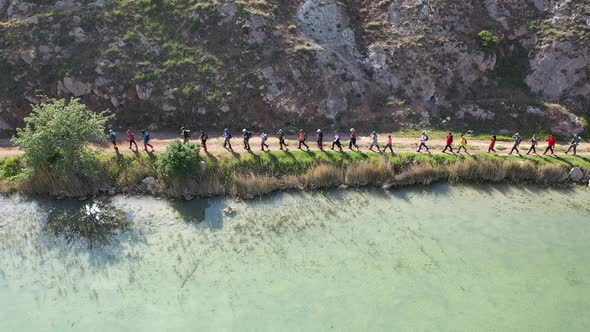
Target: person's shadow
x: 152, y: 155
x: 210, y: 156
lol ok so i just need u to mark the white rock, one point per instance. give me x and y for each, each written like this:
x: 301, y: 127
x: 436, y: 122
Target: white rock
x: 533, y: 110
x: 28, y: 56
x: 144, y: 92
x: 150, y: 184
x: 168, y: 107
x: 576, y: 174
x: 45, y: 49
x: 203, y: 166
x: 229, y: 210
x: 76, y: 88
x: 33, y: 19
x: 79, y: 34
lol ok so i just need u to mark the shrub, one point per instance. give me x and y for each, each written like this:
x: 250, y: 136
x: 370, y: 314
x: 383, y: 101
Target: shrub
x: 56, y: 138
x: 488, y: 39
x: 10, y: 167
x: 179, y: 160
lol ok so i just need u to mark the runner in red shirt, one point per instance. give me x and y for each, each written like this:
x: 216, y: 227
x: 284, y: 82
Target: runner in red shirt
x: 389, y: 144
x: 492, y: 145
x: 449, y: 143
x: 302, y: 138
x: 550, y: 144
x: 131, y: 136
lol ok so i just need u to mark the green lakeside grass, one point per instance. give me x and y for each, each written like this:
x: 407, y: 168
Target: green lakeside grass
x: 264, y: 172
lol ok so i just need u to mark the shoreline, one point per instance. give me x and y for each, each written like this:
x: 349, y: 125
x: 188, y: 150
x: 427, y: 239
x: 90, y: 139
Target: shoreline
x: 255, y: 175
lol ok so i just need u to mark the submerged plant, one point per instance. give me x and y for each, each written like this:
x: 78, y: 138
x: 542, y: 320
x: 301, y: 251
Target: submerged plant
x: 96, y: 223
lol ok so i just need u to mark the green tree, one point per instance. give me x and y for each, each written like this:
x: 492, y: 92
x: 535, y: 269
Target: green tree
x: 57, y: 135
x: 179, y: 160
x: 488, y: 39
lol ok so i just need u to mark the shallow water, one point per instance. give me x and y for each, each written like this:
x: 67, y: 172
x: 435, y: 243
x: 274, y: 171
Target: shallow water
x: 487, y: 258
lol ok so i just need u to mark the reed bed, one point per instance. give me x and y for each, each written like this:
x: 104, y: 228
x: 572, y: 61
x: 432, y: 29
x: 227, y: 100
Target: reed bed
x: 255, y: 175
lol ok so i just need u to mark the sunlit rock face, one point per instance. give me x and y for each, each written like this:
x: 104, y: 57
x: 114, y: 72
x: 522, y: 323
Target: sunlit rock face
x: 371, y: 64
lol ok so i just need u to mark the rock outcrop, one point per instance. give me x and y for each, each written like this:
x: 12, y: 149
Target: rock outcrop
x: 376, y: 64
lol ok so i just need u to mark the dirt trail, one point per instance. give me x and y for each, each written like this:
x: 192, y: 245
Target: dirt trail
x: 400, y: 144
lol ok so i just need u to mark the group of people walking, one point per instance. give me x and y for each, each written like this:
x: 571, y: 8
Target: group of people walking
x: 302, y: 141
x: 352, y: 145
x: 145, y: 136
x: 534, y: 141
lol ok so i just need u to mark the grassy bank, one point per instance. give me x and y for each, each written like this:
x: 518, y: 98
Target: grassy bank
x: 262, y: 173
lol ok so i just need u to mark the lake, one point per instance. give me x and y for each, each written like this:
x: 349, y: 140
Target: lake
x: 440, y: 258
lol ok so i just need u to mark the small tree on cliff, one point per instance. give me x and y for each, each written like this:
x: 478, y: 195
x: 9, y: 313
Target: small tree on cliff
x: 488, y: 39
x: 57, y: 135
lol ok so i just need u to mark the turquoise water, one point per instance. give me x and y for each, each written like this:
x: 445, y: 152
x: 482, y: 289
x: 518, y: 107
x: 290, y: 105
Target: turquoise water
x: 443, y: 258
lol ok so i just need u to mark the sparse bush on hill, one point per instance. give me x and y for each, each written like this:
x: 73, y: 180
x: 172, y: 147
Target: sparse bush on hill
x: 488, y: 39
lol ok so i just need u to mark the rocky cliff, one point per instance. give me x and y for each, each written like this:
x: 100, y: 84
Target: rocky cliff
x: 383, y: 64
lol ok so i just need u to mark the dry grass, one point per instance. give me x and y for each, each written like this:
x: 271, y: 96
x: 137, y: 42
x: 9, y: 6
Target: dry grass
x: 251, y: 184
x: 323, y: 175
x: 519, y: 171
x: 42, y: 182
x: 551, y: 174
x: 477, y: 171
x: 423, y: 174
x: 367, y: 172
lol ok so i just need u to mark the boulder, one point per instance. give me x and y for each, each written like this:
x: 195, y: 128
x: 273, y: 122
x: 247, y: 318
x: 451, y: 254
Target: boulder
x: 144, y: 92
x: 79, y: 34
x: 576, y: 174
x: 28, y: 56
x: 343, y: 187
x: 188, y: 197
x: 203, y: 166
x: 229, y: 210
x: 151, y: 184
x: 74, y: 87
x: 389, y: 184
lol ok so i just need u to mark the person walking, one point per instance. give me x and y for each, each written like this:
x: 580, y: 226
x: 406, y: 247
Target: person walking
x: 282, y: 140
x: 131, y: 136
x: 462, y: 144
x: 227, y: 140
x: 517, y: 141
x: 449, y: 144
x: 146, y: 140
x: 352, y: 140
x: 186, y: 134
x: 576, y: 140
x: 492, y: 144
x: 204, y: 137
x: 551, y: 140
x: 246, y: 135
x: 320, y: 139
x: 533, y: 147
x: 302, y: 138
x: 263, y: 139
x: 113, y: 137
x: 423, y: 139
x: 389, y: 144
x: 375, y: 141
x: 336, y: 142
